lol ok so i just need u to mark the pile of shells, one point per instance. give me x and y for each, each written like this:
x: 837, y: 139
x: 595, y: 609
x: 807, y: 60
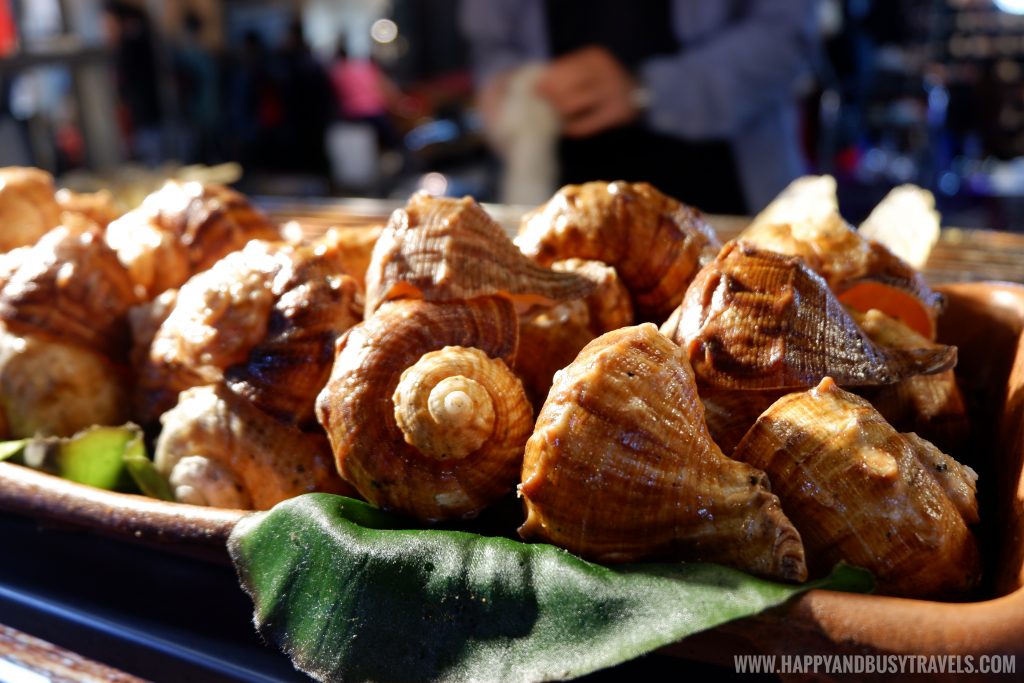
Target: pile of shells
x: 777, y: 404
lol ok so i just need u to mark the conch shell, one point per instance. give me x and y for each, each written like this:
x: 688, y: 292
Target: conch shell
x: 423, y: 414
x: 861, y: 492
x: 621, y: 467
x: 929, y: 405
x: 55, y: 388
x: 217, y: 449
x: 218, y: 316
x: 64, y: 336
x: 182, y: 229
x: 442, y: 249
x: 804, y: 221
x: 314, y: 303
x: 70, y: 288
x: 264, y: 319
x: 654, y: 242
x: 551, y: 336
x: 28, y: 209
x: 755, y: 319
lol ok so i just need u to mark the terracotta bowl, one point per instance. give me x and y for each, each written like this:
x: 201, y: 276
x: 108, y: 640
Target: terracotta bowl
x: 985, y: 320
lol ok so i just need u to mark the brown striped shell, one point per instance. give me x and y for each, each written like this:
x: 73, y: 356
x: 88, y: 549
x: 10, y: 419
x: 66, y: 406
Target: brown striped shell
x: 264, y: 319
x: 860, y: 491
x: 445, y: 462
x: 218, y: 449
x: 655, y: 243
x: 442, y: 249
x: 805, y: 221
x: 28, y: 209
x: 551, y: 336
x: 182, y: 229
x: 70, y: 287
x: 621, y: 467
x: 57, y: 388
x: 755, y: 319
x: 314, y: 303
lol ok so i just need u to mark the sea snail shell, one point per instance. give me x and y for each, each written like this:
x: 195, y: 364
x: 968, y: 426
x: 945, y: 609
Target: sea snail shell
x: 621, y: 468
x: 804, y: 221
x: 423, y: 414
x: 756, y: 319
x: 442, y: 249
x: 655, y: 243
x: 860, y: 491
x: 551, y: 336
x: 218, y: 449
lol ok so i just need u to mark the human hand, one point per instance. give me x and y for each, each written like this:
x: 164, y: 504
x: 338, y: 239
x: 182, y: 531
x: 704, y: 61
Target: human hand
x: 590, y: 90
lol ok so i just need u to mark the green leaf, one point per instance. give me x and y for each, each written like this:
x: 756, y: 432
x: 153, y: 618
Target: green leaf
x: 112, y: 458
x: 95, y: 456
x: 347, y: 594
x: 11, y: 448
x: 144, y: 473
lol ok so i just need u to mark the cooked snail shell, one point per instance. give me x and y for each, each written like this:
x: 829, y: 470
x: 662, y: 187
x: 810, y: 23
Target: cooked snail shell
x: 217, y: 449
x: 28, y: 209
x: 56, y: 388
x: 314, y: 303
x: 861, y: 492
x: 755, y: 319
x: 182, y: 229
x: 71, y: 288
x: 218, y: 316
x: 551, y: 336
x: 656, y: 243
x: 432, y: 432
x: 264, y: 319
x: 805, y: 221
x: 442, y: 249
x: 621, y: 467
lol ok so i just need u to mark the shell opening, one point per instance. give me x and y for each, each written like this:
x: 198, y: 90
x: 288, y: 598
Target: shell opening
x: 443, y: 405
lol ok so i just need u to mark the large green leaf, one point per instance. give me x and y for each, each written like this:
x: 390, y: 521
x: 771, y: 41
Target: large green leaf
x: 348, y: 594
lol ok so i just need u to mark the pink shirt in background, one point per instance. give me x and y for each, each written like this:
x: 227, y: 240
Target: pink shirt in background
x: 357, y: 86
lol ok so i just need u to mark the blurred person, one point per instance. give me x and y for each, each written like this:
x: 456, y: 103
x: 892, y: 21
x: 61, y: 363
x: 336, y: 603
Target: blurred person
x: 128, y: 31
x: 696, y: 97
x: 364, y: 94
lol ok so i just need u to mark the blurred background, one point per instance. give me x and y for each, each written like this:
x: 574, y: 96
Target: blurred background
x: 379, y: 98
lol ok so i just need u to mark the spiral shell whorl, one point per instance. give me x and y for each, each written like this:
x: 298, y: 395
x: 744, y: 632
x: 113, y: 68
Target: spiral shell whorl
x: 357, y: 407
x: 444, y: 404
